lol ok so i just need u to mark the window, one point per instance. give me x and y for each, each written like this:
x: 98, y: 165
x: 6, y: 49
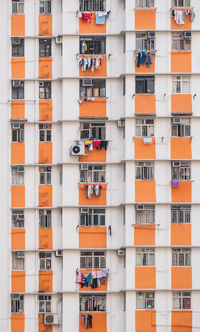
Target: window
x: 18, y: 260
x: 145, y: 41
x: 17, y: 47
x: 45, y: 6
x: 90, y: 88
x: 17, y: 132
x: 181, y: 84
x: 17, y: 303
x: 145, y: 300
x: 92, y: 5
x: 45, y: 133
x: 93, y: 130
x: 45, y: 175
x: 18, y: 175
x: 92, y: 217
x: 92, y: 45
x: 145, y: 214
x: 93, y: 260
x: 17, y: 89
x: 145, y: 84
x: 45, y: 260
x: 92, y: 173
x: 181, y: 41
x: 181, y: 257
x: 181, y: 170
x: 180, y: 214
x: 144, y: 3
x: 44, y: 47
x: 93, y: 303
x: 18, y: 218
x: 145, y: 128
x: 45, y: 90
x: 181, y: 300
x: 144, y: 170
x: 180, y: 3
x: 45, y: 218
x: 17, y: 6
x: 44, y: 303
x: 181, y: 127
x: 145, y: 257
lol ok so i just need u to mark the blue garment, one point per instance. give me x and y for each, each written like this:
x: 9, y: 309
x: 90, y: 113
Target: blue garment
x: 142, y: 58
x: 100, y: 19
x: 150, y: 59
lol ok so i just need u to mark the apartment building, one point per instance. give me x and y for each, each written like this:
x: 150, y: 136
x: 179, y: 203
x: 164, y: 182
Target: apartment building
x: 100, y: 165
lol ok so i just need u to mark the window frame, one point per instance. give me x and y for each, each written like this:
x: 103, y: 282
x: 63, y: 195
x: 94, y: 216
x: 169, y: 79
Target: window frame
x: 19, y: 52
x: 148, y: 85
x: 93, y: 260
x: 17, y: 303
x: 19, y: 5
x: 46, y: 9
x: 92, y: 218
x: 18, y: 264
x: 17, y: 177
x: 17, y: 91
x: 45, y: 172
x: 96, y: 90
x: 93, y: 174
x: 93, y: 130
x: 45, y: 132
x: 143, y: 128
x: 180, y: 43
x: 145, y: 4
x: 182, y: 172
x: 145, y: 257
x: 182, y: 129
x: 145, y: 297
x: 45, y: 218
x: 45, y: 47
x: 17, y: 133
x: 176, y: 4
x: 92, y: 5
x: 92, y: 299
x: 148, y: 42
x: 181, y: 214
x: 147, y: 213
x: 180, y: 298
x: 95, y: 45
x: 144, y: 170
x: 181, y: 84
x: 15, y: 218
x: 45, y: 261
x: 44, y: 301
x: 45, y: 90
x: 181, y: 257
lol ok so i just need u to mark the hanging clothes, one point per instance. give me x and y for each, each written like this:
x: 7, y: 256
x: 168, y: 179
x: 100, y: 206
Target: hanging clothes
x: 89, y: 191
x: 142, y: 59
x: 103, y: 145
x: 96, y: 144
x: 86, y: 17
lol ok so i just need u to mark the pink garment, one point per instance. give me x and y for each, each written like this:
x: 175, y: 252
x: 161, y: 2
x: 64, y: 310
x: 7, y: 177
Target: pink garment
x: 99, y: 274
x: 94, y: 274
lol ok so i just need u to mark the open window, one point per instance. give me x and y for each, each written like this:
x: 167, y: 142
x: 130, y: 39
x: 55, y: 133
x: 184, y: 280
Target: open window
x: 17, y: 89
x: 145, y: 41
x: 93, y: 45
x: 93, y: 130
x: 92, y: 303
x: 92, y: 88
x: 45, y: 47
x: 17, y: 303
x: 145, y: 300
x: 18, y: 219
x: 44, y: 303
x: 45, y: 133
x: 181, y: 127
x: 45, y: 218
x: 17, y: 47
x: 18, y: 175
x: 17, y: 132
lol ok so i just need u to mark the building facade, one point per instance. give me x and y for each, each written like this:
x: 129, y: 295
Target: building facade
x: 100, y: 156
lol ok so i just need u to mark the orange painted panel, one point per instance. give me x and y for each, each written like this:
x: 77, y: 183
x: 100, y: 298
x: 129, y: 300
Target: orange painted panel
x: 94, y: 200
x: 45, y: 238
x: 145, y: 19
x: 145, y: 191
x: 145, y: 69
x: 183, y: 193
x: 181, y: 277
x: 17, y: 322
x: 145, y: 104
x: 18, y: 196
x: 18, y: 281
x: 45, y: 195
x: 181, y: 62
x: 101, y: 288
x: 93, y: 108
x: 181, y: 235
x: 92, y: 237
x: 46, y: 281
x: 18, y: 109
x: 17, y: 153
x: 181, y: 103
x: 181, y: 148
x: 45, y: 67
x: 99, y: 322
x: 45, y: 152
x: 45, y: 110
x: 145, y: 321
x: 17, y: 25
x: 86, y: 27
x: 94, y: 156
x: 144, y: 235
x: 186, y: 26
x: 100, y: 72
x: 18, y: 67
x: 144, y: 151
x: 41, y: 326
x: 181, y: 321
x: 18, y: 238
x: 145, y: 277
x: 45, y: 25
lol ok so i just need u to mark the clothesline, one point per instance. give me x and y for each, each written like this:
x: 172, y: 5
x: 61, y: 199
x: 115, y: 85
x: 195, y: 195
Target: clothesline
x: 91, y: 144
x: 93, y: 279
x: 180, y: 15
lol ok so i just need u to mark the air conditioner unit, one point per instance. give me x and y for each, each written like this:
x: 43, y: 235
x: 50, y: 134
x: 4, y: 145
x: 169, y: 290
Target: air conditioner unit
x: 84, y: 167
x: 140, y: 207
x: 147, y: 140
x: 15, y: 41
x: 16, y: 84
x: 20, y: 169
x: 41, y: 84
x: 59, y: 253
x: 58, y: 40
x: 51, y: 319
x: 121, y: 252
x: 20, y: 254
x: 84, y: 210
x: 150, y: 34
x: 87, y: 82
x: 176, y: 163
x: 187, y: 34
x: 120, y: 123
x: 15, y: 125
x: 177, y: 120
x: 77, y: 150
